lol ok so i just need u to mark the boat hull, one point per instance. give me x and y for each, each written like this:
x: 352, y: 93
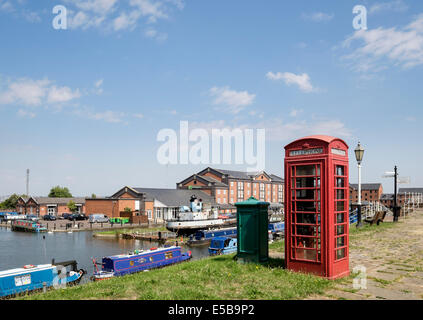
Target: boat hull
x: 191, y: 226
x: 27, y: 280
x: 121, y: 265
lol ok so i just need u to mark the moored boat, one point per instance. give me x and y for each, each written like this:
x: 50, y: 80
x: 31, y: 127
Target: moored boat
x: 205, y: 236
x: 31, y: 278
x: 195, y: 217
x: 139, y: 260
x: 222, y: 245
x: 27, y: 226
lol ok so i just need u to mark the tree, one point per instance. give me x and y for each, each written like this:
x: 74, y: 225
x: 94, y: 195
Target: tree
x: 127, y: 209
x: 72, y: 206
x: 93, y: 196
x: 58, y: 192
x: 11, y: 202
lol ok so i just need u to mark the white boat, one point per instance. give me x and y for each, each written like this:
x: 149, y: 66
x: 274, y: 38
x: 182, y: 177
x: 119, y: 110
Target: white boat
x: 192, y: 218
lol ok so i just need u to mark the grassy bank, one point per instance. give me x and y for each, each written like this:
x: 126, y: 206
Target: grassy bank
x: 117, y: 232
x: 211, y: 278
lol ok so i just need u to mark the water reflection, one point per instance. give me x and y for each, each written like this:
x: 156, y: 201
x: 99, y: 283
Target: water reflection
x: 20, y: 248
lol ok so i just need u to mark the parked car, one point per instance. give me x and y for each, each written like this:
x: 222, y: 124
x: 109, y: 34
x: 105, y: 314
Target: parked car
x: 98, y: 217
x: 77, y: 216
x: 32, y: 217
x: 65, y: 216
x: 49, y: 217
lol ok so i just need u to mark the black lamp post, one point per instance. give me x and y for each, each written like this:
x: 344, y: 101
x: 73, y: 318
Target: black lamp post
x: 359, y: 152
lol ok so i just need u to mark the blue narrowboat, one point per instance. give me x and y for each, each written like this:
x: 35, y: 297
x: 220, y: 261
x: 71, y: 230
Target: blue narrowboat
x: 31, y: 278
x: 205, y: 236
x: 222, y: 245
x: 123, y: 264
x: 277, y: 227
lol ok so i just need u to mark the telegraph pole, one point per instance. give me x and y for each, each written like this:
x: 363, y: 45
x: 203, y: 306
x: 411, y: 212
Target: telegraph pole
x: 395, y: 195
x: 27, y: 182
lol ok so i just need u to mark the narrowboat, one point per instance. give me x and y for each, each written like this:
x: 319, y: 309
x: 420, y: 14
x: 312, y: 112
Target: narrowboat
x: 27, y: 226
x: 139, y: 260
x: 222, y: 245
x: 277, y: 228
x: 31, y: 278
x: 205, y: 236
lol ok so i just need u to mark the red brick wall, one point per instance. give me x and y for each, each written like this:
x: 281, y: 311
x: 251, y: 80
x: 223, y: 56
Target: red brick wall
x: 104, y: 206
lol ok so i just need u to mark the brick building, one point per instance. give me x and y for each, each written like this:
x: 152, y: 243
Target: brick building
x: 228, y: 187
x: 403, y: 195
x: 41, y: 206
x: 369, y: 192
x: 158, y: 205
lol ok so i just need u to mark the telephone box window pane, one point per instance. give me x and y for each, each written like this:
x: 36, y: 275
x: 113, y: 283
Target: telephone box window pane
x: 306, y: 170
x: 340, y: 253
x: 318, y: 194
x: 340, y: 182
x: 305, y: 194
x: 305, y: 254
x: 306, y: 183
x: 293, y: 171
x: 306, y: 231
x: 340, y: 218
x: 340, y: 242
x: 309, y: 243
x: 340, y: 194
x: 340, y: 230
x: 318, y: 169
x: 293, y: 183
x: 306, y: 206
x: 340, y: 171
x: 306, y: 218
x: 293, y: 195
x: 340, y: 205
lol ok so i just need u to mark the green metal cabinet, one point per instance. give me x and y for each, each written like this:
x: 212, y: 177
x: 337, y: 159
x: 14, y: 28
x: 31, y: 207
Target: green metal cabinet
x: 252, y: 230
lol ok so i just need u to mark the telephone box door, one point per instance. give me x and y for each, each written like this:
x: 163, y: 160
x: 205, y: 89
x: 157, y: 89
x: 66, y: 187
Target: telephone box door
x: 305, y: 201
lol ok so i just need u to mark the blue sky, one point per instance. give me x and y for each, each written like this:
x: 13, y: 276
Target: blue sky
x: 82, y: 107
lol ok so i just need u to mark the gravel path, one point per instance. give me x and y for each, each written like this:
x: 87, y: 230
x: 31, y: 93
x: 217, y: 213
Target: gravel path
x: 393, y: 261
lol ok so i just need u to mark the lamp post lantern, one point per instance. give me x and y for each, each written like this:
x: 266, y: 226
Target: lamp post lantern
x: 359, y: 152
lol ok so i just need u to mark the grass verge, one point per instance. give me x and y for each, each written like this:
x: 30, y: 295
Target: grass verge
x: 211, y: 278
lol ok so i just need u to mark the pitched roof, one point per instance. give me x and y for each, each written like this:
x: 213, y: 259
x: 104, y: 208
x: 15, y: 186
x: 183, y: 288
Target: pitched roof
x: 245, y: 175
x: 176, y: 197
x: 410, y: 190
x: 65, y: 201
x: 366, y: 186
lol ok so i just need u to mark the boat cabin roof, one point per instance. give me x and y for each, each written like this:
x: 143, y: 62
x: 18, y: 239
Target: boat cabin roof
x: 142, y: 252
x: 17, y: 271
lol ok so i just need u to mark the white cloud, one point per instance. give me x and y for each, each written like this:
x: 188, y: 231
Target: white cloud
x: 30, y: 92
x: 139, y: 115
x: 63, y: 94
x: 317, y: 16
x: 302, y: 81
x: 236, y: 101
x: 154, y: 34
x: 26, y: 114
x: 107, y: 116
x: 379, y: 48
x: 99, y: 86
x: 395, y: 6
x: 295, y: 112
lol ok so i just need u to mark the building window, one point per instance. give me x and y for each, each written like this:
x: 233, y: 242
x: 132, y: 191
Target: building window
x: 280, y: 193
x: 51, y: 210
x: 232, y: 191
x: 149, y: 214
x: 224, y: 191
x: 232, y: 183
x: 232, y: 200
x: 218, y: 191
x: 262, y: 191
x: 240, y: 190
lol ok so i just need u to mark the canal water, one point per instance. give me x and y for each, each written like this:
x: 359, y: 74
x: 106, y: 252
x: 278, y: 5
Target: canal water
x: 20, y: 248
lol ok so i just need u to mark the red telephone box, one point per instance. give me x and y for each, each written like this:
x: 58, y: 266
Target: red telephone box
x: 317, y: 206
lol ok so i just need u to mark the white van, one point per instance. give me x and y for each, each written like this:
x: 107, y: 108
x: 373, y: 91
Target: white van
x: 98, y: 217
